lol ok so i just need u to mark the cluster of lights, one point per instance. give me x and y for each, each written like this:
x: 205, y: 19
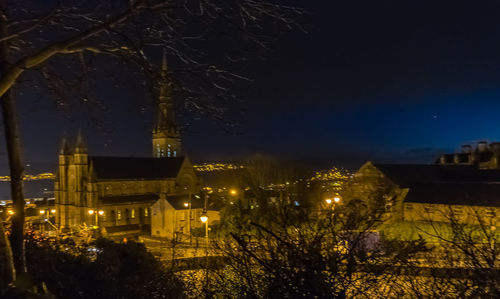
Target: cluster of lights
x: 29, y: 177
x: 336, y: 199
x: 100, y: 212
x: 333, y: 174
x: 206, y: 167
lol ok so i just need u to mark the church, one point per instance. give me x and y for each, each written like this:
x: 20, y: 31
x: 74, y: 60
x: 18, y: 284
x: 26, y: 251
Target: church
x: 116, y: 193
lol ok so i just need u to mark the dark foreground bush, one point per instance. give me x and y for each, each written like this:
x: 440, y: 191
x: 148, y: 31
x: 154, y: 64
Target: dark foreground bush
x: 104, y: 270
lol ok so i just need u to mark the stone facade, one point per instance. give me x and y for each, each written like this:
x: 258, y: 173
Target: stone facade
x: 172, y: 219
x: 87, y: 191
x: 440, y: 193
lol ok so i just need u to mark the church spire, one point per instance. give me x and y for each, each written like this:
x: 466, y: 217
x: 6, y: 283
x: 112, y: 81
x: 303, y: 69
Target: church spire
x: 64, y: 150
x: 166, y: 136
x: 80, y: 147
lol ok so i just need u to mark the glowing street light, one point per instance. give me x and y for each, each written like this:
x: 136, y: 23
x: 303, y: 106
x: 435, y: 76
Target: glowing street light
x: 53, y: 211
x: 42, y: 212
x: 233, y: 192
x: 204, y: 218
x: 91, y: 212
x: 328, y: 201
x: 101, y: 213
x: 186, y: 204
x: 336, y: 199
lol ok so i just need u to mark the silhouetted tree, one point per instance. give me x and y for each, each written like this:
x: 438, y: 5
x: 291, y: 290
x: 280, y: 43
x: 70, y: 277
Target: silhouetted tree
x: 60, y: 46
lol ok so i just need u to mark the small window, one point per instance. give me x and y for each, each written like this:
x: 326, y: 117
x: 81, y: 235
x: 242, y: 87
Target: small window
x: 119, y: 215
x: 428, y: 210
x: 146, y: 213
x: 132, y: 213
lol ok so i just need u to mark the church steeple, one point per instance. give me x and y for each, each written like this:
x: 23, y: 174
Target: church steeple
x: 166, y: 136
x: 80, y: 147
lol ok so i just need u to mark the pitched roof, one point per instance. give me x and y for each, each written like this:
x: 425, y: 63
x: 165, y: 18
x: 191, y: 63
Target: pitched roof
x: 177, y: 201
x: 407, y: 174
x: 446, y: 184
x: 471, y: 193
x: 123, y: 168
x: 121, y: 199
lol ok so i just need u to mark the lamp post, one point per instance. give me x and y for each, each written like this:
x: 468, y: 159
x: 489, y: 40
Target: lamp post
x: 204, y: 219
x: 97, y: 214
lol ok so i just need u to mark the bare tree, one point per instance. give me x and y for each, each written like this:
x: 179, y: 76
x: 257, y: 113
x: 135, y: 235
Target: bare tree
x: 59, y: 46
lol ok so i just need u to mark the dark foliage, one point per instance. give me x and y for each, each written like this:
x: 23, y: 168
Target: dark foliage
x: 103, y: 270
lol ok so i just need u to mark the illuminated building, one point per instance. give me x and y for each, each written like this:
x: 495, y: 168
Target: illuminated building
x: 428, y: 192
x: 123, y: 188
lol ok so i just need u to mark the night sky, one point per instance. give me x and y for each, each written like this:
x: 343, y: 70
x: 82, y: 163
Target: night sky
x: 392, y: 81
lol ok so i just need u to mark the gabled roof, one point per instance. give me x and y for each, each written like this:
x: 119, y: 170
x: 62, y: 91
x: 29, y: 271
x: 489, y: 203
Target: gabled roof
x: 122, y: 199
x: 446, y: 184
x: 405, y: 175
x: 177, y: 201
x: 123, y: 168
x: 471, y: 194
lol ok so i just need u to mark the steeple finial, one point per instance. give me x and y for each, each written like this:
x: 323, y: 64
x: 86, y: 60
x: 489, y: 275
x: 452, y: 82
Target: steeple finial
x: 80, y: 147
x: 64, y: 150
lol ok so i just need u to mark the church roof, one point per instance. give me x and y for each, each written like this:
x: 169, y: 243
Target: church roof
x: 471, y: 194
x: 446, y: 184
x: 407, y: 174
x: 124, y: 168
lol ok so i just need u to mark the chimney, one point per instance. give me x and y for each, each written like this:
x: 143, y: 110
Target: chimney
x: 495, y: 146
x: 482, y: 146
x: 466, y: 149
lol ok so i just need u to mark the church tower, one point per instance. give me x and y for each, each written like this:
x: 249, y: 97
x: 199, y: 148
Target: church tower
x: 166, y: 135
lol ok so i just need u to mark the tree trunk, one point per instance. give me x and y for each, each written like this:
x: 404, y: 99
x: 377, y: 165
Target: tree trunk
x: 7, y: 271
x: 14, y: 154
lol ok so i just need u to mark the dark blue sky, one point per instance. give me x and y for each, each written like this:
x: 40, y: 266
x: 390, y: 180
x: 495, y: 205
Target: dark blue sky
x: 393, y: 81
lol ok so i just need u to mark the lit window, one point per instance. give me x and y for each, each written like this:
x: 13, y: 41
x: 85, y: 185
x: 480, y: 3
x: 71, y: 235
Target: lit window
x: 119, y: 215
x: 175, y: 153
x: 146, y: 212
x: 132, y: 213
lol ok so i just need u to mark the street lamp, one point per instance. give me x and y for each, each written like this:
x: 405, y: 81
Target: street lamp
x: 336, y: 199
x: 97, y: 214
x: 328, y: 201
x: 204, y: 219
x: 233, y: 192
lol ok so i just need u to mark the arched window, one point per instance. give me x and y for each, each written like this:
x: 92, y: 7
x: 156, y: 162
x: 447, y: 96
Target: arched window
x: 118, y: 215
x: 132, y: 213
